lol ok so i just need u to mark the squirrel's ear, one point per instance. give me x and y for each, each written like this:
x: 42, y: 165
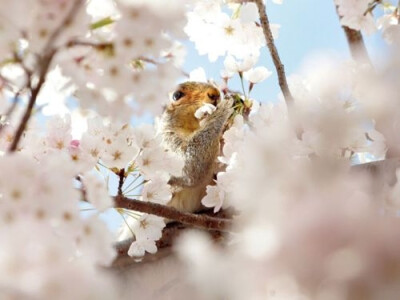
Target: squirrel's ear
x: 177, y: 95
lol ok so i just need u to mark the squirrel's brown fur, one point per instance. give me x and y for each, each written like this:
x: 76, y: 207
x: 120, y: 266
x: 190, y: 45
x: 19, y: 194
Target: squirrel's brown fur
x: 197, y: 143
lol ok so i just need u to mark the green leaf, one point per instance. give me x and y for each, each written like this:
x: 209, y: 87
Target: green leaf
x: 8, y: 61
x: 236, y: 12
x: 101, y: 23
x: 137, y: 64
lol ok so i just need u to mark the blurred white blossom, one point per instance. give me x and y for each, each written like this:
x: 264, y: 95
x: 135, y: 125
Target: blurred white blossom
x: 257, y: 74
x: 97, y: 192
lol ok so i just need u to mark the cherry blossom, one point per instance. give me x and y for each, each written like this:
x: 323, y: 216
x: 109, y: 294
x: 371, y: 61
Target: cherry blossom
x: 59, y: 132
x: 157, y: 190
x: 48, y: 15
x: 158, y: 162
x: 353, y: 15
x: 233, y: 138
x: 96, y: 192
x: 257, y: 74
x: 147, y: 229
x: 214, y: 198
x: 388, y: 24
x: 12, y: 23
x: 226, y: 34
x: 203, y: 111
x: 139, y: 247
x: 148, y: 226
x: 39, y: 207
x: 54, y: 93
x: 119, y: 153
x: 146, y: 136
x: 234, y: 66
x: 198, y: 75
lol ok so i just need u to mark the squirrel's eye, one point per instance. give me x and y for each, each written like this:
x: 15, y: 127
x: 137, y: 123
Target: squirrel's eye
x: 177, y: 95
x: 213, y: 97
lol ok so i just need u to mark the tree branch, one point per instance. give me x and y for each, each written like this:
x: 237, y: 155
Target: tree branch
x: 45, y: 63
x: 356, y: 43
x: 382, y: 171
x: 280, y: 69
x: 35, y: 92
x: 99, y: 46
x: 169, y: 234
x: 201, y: 221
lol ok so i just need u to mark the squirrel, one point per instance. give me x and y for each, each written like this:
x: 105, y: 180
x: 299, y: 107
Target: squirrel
x: 197, y: 142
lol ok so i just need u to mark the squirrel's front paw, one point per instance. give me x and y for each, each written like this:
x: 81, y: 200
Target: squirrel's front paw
x: 226, y: 105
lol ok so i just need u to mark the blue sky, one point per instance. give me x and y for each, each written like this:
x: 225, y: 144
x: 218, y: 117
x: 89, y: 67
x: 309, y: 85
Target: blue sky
x: 308, y: 27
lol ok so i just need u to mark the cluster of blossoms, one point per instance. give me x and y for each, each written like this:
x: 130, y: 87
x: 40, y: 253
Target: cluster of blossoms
x: 310, y: 226
x: 46, y: 245
x: 216, y: 34
x: 70, y: 52
x: 358, y: 15
x: 155, y: 167
x: 38, y: 192
x: 99, y: 54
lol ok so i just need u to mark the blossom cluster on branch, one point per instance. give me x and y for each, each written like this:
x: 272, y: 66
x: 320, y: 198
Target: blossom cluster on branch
x: 359, y: 15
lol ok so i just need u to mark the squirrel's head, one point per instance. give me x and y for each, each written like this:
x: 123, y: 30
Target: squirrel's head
x: 186, y: 99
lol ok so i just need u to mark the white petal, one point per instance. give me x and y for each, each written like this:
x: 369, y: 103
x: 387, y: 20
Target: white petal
x: 257, y: 75
x: 206, y: 109
x: 136, y: 249
x: 198, y: 75
x: 214, y: 198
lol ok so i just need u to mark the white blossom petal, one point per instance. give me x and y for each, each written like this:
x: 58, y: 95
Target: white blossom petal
x: 257, y: 74
x: 206, y: 109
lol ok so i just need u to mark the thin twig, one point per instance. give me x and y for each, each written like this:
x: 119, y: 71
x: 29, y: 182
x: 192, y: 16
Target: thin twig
x: 121, y: 176
x: 149, y: 60
x: 371, y: 7
x: 201, y: 221
x: 95, y: 45
x: 280, y: 69
x: 82, y: 189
